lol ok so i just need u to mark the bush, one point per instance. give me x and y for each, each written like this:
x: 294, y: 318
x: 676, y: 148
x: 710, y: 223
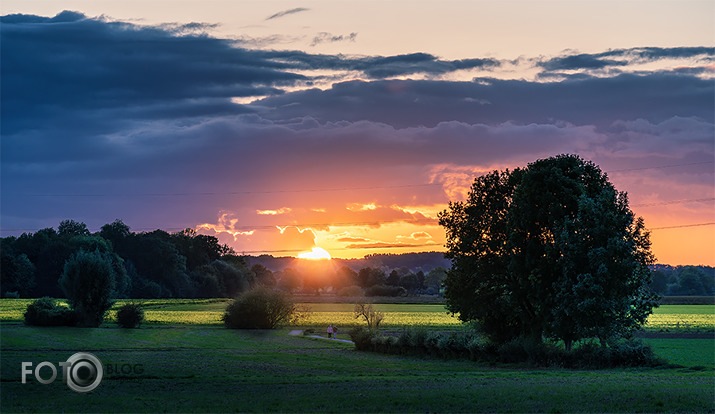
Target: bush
x: 450, y: 345
x: 259, y: 308
x: 46, y: 312
x: 88, y: 280
x: 362, y: 337
x: 383, y: 290
x: 626, y: 353
x: 350, y: 291
x: 130, y: 316
x: 632, y: 353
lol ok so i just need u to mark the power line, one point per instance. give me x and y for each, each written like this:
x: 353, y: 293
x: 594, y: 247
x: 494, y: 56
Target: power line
x: 683, y: 226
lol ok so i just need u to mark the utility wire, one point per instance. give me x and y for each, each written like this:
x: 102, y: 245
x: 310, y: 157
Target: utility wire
x: 682, y: 226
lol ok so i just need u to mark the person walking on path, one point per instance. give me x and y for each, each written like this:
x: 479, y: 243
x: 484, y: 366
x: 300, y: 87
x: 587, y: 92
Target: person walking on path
x: 330, y: 331
x: 335, y: 332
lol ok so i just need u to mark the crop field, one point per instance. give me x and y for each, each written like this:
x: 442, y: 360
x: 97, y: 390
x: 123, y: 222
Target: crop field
x: 682, y: 318
x: 183, y: 360
x: 666, y: 318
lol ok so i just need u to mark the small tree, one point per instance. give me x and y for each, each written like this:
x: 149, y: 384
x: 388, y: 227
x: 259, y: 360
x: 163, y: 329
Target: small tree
x: 371, y: 316
x: 259, y: 308
x: 88, y: 281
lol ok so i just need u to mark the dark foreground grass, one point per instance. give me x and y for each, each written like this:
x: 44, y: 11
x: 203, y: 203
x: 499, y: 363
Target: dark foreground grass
x: 206, y: 369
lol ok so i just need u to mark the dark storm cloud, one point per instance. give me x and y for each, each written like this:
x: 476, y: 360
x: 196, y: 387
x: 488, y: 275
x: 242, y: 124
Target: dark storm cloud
x: 591, y: 101
x: 104, y: 120
x: 69, y: 63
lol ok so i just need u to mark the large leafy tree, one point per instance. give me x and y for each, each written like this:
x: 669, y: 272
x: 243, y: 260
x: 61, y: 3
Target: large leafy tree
x: 548, y: 250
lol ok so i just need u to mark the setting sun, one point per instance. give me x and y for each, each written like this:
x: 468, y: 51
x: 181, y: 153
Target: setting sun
x: 318, y: 253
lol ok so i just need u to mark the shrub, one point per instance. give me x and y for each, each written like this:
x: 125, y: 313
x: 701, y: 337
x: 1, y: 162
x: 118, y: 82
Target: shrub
x: 453, y: 345
x: 130, y: 316
x: 385, y: 344
x: 512, y: 351
x: 362, y: 337
x: 430, y: 344
x: 259, y: 308
x: 480, y: 349
x: 350, y: 291
x: 589, y: 354
x: 46, y: 312
x: 626, y: 353
x: 88, y: 280
x: 383, y: 290
x: 634, y: 353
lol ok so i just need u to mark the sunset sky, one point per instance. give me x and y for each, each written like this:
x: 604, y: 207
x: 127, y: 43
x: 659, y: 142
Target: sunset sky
x: 283, y: 126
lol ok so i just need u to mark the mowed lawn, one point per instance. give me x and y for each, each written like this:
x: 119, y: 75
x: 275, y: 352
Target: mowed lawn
x: 191, y: 368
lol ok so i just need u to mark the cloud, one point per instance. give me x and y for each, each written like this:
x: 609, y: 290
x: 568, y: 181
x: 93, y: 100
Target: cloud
x: 582, y: 61
x: 399, y: 65
x: 280, y: 211
x: 287, y: 12
x: 408, y: 103
x: 104, y: 119
x: 324, y: 37
x: 623, y: 57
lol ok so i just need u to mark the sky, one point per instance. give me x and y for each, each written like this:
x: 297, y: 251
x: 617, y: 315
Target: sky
x: 280, y: 127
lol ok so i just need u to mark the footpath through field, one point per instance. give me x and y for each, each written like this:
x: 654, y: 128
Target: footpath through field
x: 297, y: 332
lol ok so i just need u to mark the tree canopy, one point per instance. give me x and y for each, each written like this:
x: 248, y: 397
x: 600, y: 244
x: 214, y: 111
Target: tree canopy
x: 548, y: 250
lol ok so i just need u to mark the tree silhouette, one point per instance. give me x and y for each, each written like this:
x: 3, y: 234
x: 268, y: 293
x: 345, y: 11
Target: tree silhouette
x: 548, y: 250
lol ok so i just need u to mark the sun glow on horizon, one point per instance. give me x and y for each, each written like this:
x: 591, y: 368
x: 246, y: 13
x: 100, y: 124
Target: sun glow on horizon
x: 318, y: 253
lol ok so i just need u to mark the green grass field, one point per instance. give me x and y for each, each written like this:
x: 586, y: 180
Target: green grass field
x: 210, y: 369
x: 190, y: 363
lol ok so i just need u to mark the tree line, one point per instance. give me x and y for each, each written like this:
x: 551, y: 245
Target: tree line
x: 683, y: 280
x: 369, y: 281
x: 153, y: 264
x: 185, y: 264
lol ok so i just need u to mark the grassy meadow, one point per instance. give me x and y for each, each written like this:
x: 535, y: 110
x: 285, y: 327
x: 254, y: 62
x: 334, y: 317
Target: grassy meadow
x: 189, y: 363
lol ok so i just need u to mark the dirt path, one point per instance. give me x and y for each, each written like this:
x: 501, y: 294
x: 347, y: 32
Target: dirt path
x: 297, y: 332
